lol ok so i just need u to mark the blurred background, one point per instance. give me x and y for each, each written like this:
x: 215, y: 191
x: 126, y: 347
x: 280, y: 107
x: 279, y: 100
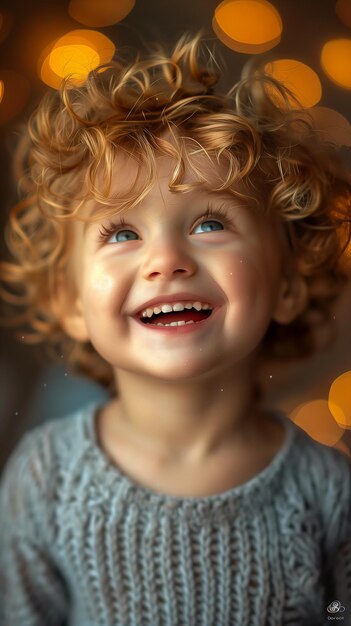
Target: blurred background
x: 307, y: 45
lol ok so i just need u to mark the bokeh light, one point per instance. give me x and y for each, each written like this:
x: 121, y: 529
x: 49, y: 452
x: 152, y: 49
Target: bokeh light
x: 76, y: 60
x: 75, y: 55
x: 100, y: 12
x: 343, y: 11
x: 336, y: 61
x: 332, y: 127
x: 299, y: 78
x: 15, y: 94
x: 340, y: 399
x: 316, y: 419
x: 247, y: 26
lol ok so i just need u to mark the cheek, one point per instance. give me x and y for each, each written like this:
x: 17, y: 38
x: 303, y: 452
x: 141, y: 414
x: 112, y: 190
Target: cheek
x: 99, y: 289
x: 248, y: 286
x: 240, y: 277
x: 101, y: 283
x: 100, y: 300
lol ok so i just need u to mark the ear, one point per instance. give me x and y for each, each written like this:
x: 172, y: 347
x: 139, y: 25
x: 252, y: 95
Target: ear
x: 291, y: 300
x: 67, y: 307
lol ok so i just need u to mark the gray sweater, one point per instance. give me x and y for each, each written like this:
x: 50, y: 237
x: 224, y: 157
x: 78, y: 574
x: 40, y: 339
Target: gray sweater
x: 82, y: 544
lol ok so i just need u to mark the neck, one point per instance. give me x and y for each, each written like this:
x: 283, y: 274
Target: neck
x: 186, y: 420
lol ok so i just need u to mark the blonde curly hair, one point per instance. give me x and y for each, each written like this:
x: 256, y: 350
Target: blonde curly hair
x: 267, y: 145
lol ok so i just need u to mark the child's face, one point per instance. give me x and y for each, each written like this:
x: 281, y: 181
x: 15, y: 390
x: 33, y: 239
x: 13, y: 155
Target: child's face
x: 168, y: 251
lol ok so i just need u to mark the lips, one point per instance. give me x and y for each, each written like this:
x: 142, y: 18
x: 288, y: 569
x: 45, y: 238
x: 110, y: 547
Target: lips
x: 177, y: 319
x: 175, y: 310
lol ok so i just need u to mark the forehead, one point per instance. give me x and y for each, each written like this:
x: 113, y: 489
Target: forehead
x: 133, y: 176
x: 197, y: 169
x: 136, y: 183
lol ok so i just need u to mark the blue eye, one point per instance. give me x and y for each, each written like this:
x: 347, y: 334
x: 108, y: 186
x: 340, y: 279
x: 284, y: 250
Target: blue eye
x: 208, y: 226
x: 123, y: 235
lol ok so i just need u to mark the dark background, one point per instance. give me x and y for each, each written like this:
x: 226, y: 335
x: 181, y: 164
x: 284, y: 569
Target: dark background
x: 31, y: 389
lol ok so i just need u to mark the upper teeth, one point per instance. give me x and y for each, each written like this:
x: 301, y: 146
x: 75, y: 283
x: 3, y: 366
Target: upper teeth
x: 177, y: 306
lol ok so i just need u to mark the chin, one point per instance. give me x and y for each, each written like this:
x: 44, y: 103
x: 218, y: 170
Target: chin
x: 183, y: 371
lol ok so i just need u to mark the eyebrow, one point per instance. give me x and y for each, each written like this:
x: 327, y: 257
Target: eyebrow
x: 91, y: 222
x: 235, y: 201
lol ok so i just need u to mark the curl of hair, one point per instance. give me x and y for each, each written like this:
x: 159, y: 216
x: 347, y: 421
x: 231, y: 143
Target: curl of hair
x: 166, y: 105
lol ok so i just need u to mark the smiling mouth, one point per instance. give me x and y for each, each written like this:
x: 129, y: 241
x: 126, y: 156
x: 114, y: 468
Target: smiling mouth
x: 177, y: 319
x: 178, y: 315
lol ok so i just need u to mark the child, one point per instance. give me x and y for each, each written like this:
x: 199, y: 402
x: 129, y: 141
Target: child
x: 176, y: 237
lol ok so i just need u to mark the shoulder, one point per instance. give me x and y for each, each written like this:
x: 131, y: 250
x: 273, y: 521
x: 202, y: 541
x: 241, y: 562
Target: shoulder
x: 33, y: 471
x: 55, y: 438
x: 323, y: 476
x: 323, y: 465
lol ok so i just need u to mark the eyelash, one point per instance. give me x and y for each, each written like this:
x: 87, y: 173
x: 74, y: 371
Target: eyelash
x: 106, y: 232
x: 220, y: 213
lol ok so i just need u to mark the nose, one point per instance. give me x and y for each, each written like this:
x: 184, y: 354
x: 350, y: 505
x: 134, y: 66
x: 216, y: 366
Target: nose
x: 167, y: 260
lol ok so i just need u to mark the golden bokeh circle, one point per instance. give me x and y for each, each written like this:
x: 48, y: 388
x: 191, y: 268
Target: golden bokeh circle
x: 315, y: 418
x: 75, y: 55
x: 247, y: 26
x: 74, y: 60
x: 336, y: 61
x: 340, y: 399
x: 299, y: 78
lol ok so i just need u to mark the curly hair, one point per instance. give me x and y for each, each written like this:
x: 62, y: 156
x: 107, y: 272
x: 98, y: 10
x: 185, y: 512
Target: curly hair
x: 268, y: 146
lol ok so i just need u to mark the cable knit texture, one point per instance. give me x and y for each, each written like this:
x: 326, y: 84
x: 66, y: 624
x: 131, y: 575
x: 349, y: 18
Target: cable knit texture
x: 82, y: 544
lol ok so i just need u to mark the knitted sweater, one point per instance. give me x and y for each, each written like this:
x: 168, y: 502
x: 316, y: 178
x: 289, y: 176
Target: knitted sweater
x: 82, y: 544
